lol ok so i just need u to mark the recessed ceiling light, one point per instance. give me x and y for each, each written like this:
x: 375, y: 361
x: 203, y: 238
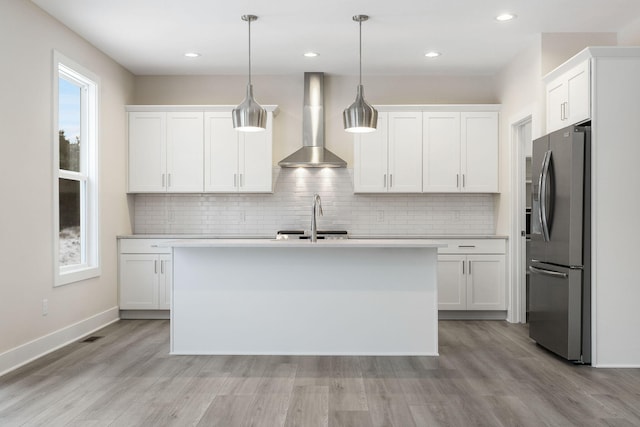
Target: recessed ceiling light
x: 311, y: 54
x: 432, y: 54
x: 505, y: 17
x: 192, y: 54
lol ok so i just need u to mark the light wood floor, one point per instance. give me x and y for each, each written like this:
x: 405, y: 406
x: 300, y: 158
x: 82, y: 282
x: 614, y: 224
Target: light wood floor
x: 488, y: 374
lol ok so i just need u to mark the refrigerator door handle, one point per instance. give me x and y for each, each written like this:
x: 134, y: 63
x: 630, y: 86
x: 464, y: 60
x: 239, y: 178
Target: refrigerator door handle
x: 543, y: 209
x: 547, y: 272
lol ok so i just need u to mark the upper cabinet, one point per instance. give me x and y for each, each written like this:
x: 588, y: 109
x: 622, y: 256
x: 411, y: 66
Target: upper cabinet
x: 429, y: 151
x: 569, y: 97
x: 389, y: 159
x: 479, y: 152
x: 460, y: 152
x: 195, y: 149
x: 165, y: 152
x: 441, y: 152
x: 236, y: 161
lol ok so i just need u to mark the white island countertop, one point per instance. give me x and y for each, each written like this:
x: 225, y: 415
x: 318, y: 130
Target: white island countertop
x: 304, y: 243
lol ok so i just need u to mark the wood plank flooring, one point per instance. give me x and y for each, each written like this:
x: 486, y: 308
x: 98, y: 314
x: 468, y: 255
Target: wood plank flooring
x: 489, y: 373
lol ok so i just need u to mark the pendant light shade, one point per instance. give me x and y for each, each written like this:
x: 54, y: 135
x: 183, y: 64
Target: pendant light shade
x: 249, y: 116
x: 360, y: 117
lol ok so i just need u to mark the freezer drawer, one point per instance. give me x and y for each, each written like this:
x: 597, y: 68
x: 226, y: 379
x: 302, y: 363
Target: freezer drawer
x: 555, y: 310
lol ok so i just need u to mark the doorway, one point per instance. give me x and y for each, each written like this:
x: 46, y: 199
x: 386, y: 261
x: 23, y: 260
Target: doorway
x: 521, y: 215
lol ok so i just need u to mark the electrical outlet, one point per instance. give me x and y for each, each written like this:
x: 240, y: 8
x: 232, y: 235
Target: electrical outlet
x: 45, y: 307
x: 380, y: 216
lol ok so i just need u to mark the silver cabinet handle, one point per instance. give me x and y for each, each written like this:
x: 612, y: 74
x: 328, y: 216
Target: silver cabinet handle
x: 162, y: 267
x: 241, y: 181
x: 457, y: 180
x: 463, y: 268
x: 466, y: 246
x: 548, y: 272
x: 155, y: 266
x: 562, y: 111
x: 463, y: 183
x: 469, y: 268
x: 384, y: 178
x: 235, y: 182
x: 390, y: 180
x: 566, y: 110
x: 162, y: 180
x: 168, y: 180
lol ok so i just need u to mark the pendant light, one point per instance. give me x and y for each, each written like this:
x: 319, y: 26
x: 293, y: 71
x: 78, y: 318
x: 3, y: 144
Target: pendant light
x: 360, y: 117
x: 249, y: 116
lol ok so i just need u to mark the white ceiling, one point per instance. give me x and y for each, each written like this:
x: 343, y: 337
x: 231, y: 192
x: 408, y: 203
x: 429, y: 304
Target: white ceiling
x: 149, y: 37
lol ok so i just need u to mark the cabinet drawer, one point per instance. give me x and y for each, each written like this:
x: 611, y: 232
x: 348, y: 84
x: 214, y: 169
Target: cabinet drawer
x: 473, y: 246
x: 143, y: 246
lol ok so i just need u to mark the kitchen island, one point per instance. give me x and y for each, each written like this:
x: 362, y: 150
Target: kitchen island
x: 331, y: 297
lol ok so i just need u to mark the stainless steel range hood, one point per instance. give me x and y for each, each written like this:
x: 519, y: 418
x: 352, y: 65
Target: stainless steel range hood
x: 313, y: 154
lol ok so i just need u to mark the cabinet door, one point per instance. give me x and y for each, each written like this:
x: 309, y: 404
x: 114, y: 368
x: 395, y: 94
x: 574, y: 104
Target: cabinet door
x: 139, y: 281
x: 221, y: 153
x: 578, y: 94
x: 405, y: 152
x: 486, y: 282
x: 185, y: 151
x: 256, y: 161
x: 164, y: 282
x: 479, y: 152
x: 441, y: 152
x: 556, y: 104
x: 569, y: 97
x: 147, y: 152
x: 370, y: 159
x: 452, y: 288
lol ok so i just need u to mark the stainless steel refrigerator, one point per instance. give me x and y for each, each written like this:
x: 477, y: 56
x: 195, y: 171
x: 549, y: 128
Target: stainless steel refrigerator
x: 559, y: 270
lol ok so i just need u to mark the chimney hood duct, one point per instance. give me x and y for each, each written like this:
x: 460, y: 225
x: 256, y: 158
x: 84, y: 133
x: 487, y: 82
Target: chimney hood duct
x: 313, y: 154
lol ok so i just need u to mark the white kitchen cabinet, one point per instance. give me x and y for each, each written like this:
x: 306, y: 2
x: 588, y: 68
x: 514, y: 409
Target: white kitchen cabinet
x: 236, y: 161
x: 144, y: 276
x: 370, y: 159
x: 569, y: 97
x: 460, y: 152
x: 441, y: 152
x: 165, y: 152
x: 472, y: 275
x: 390, y: 159
x: 452, y: 283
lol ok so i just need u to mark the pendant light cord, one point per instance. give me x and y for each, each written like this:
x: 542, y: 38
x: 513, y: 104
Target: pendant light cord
x: 249, y: 21
x: 360, y: 24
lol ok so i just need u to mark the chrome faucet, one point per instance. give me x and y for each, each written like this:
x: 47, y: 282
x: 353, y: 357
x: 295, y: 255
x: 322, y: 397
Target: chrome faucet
x: 316, y: 209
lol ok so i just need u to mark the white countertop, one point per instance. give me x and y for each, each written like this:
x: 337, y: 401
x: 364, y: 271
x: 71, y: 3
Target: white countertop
x: 296, y: 243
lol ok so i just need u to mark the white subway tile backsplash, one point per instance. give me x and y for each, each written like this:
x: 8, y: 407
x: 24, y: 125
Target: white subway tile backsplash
x: 289, y: 207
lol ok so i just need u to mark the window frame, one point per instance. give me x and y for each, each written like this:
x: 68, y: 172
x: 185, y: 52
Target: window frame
x: 89, y: 83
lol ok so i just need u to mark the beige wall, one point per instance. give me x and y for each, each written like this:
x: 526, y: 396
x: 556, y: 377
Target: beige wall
x: 520, y: 93
x: 558, y: 47
x: 286, y: 92
x: 630, y: 35
x: 27, y: 38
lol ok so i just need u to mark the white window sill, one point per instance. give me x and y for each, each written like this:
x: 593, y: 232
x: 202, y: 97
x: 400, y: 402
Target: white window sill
x: 75, y: 274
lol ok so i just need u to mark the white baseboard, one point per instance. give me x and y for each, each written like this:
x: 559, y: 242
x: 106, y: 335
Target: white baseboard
x: 21, y: 355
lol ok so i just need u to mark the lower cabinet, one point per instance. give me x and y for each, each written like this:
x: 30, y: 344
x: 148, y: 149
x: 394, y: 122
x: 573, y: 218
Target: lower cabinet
x: 144, y: 275
x: 469, y: 279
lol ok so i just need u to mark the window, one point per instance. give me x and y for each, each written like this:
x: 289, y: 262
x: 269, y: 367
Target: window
x: 75, y: 150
